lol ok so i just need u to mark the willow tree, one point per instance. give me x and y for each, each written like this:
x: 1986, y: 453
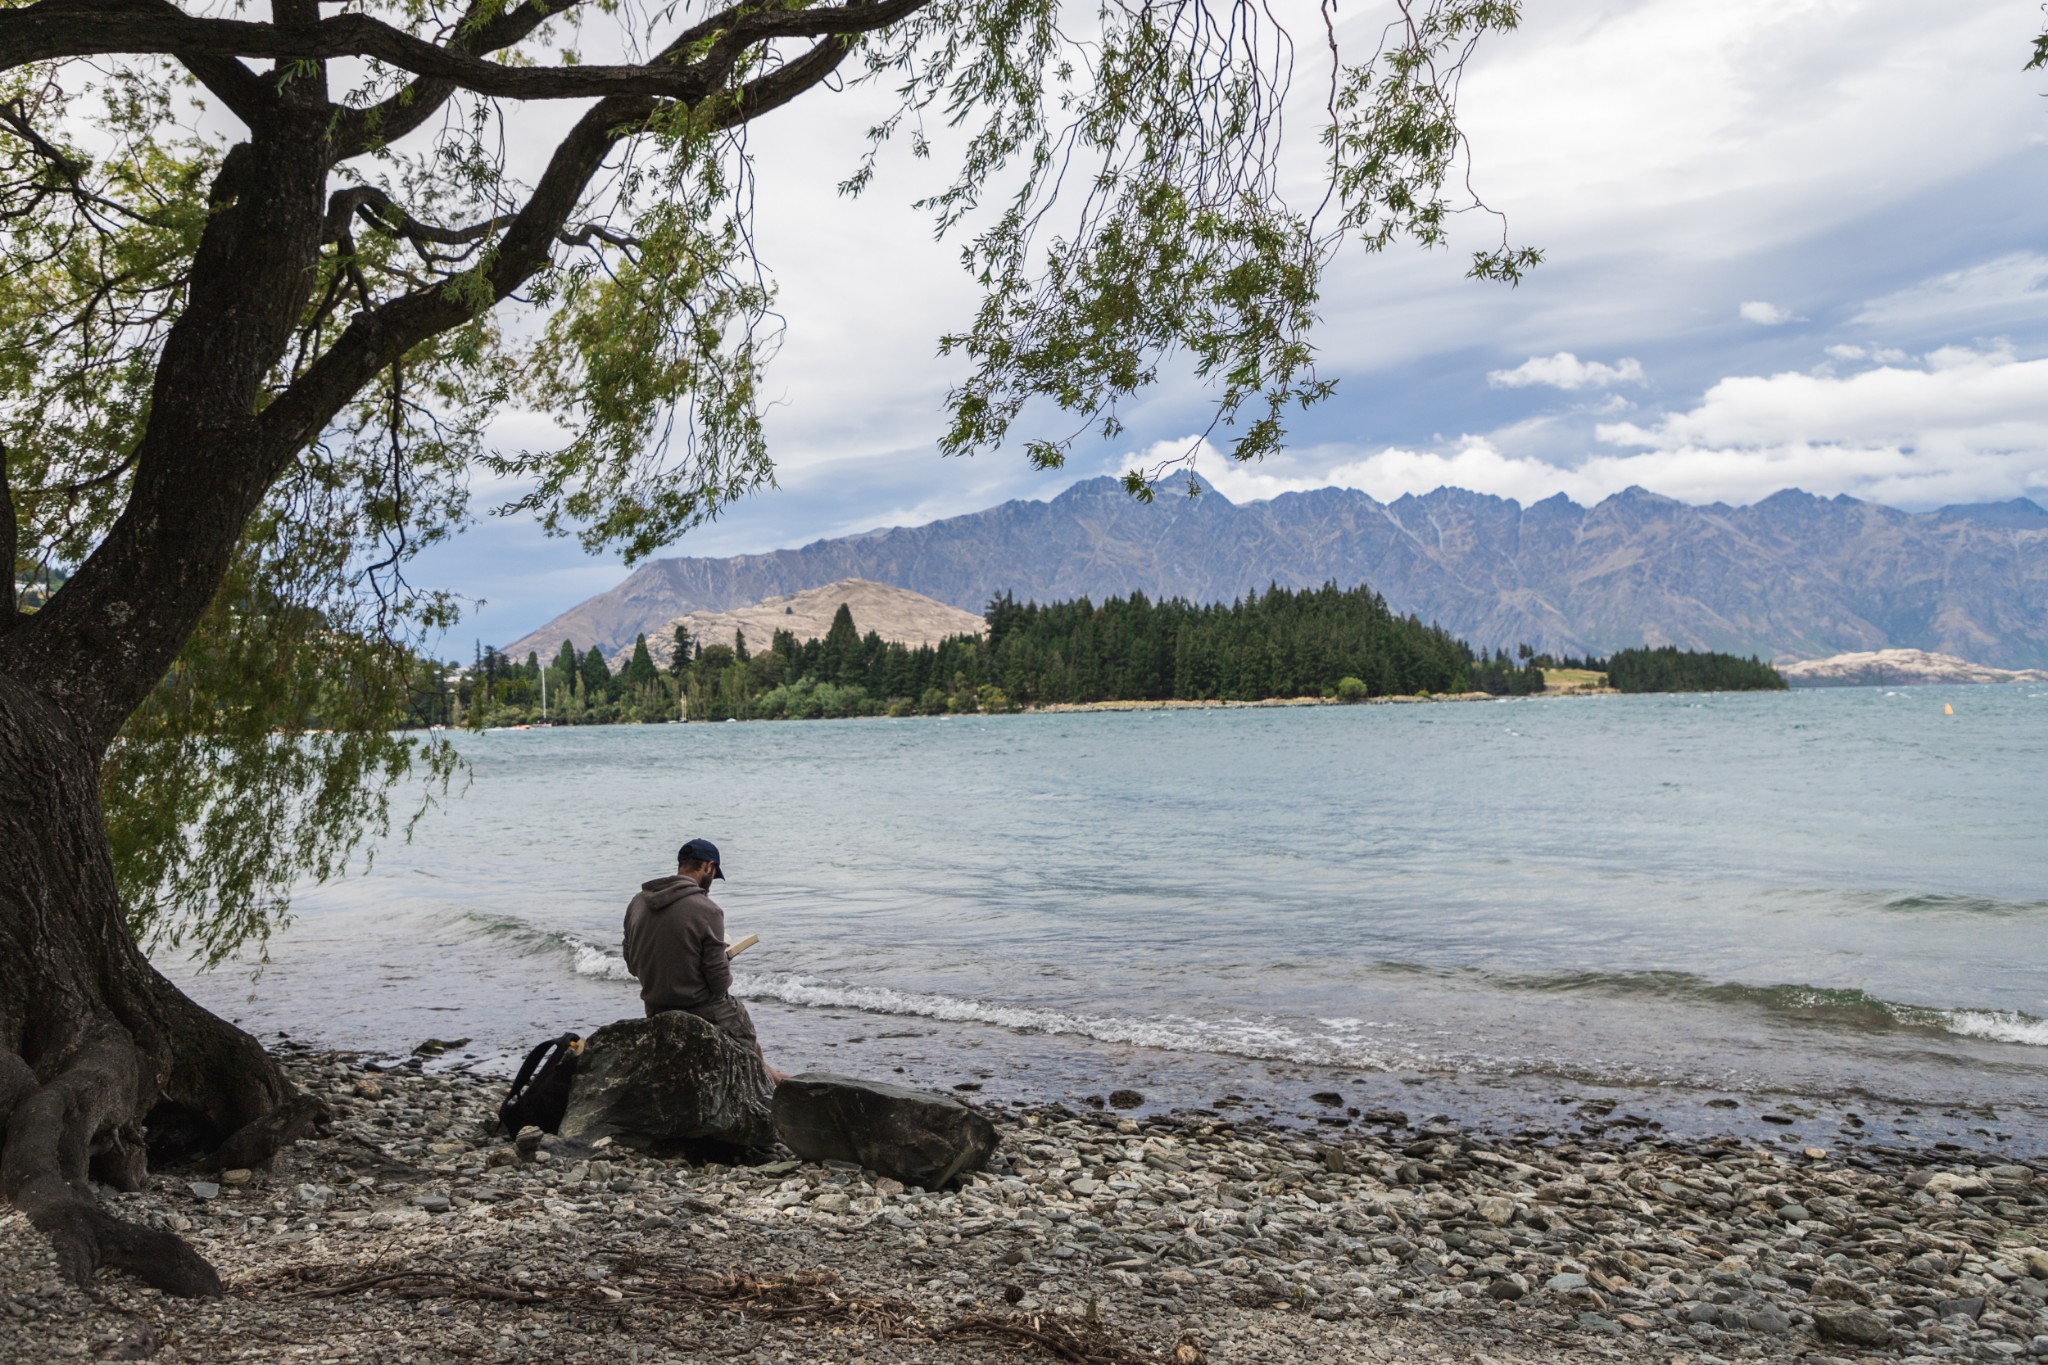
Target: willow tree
x: 248, y: 355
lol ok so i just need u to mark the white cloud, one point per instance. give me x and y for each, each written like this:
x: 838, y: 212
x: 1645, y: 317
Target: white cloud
x: 2007, y: 286
x: 1964, y: 425
x: 1566, y: 371
x: 1764, y: 314
x: 1961, y: 425
x: 1884, y: 355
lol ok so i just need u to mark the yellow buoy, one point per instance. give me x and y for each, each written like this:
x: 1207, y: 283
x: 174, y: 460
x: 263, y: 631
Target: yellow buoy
x: 1947, y: 710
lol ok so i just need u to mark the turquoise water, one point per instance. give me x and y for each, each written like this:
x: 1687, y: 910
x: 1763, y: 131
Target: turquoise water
x: 1839, y: 894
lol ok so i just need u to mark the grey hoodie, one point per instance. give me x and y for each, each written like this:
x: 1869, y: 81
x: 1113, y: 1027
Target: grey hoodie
x: 675, y: 945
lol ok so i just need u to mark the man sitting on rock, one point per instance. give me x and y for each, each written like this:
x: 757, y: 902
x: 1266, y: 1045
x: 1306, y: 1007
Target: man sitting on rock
x: 675, y: 947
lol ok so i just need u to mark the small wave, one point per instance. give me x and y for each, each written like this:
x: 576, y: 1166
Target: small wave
x: 592, y: 960
x: 2002, y: 1026
x: 1265, y: 1039
x: 1340, y: 1043
x: 1940, y: 903
x: 1258, y: 1038
x: 1844, y: 1006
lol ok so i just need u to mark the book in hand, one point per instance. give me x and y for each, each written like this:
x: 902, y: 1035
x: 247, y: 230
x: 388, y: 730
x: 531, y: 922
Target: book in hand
x: 733, y: 950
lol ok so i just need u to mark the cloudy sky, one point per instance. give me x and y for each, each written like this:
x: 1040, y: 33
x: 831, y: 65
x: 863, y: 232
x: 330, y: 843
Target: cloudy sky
x: 1789, y: 243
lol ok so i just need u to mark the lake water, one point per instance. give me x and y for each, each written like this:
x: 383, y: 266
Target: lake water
x: 1833, y: 904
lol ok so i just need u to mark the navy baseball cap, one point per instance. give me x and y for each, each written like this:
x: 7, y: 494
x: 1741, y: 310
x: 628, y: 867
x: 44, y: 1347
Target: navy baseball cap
x: 702, y: 851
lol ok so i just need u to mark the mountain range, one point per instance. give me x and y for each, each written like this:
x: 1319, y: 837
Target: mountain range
x: 1791, y: 577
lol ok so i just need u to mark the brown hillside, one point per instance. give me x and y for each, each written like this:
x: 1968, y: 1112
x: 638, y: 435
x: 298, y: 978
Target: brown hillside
x: 896, y: 614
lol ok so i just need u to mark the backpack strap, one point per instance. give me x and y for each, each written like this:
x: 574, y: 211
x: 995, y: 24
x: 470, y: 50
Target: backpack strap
x: 568, y: 1042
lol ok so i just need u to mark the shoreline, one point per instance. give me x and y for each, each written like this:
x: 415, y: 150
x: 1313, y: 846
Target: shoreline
x: 1075, y: 707
x: 409, y: 1233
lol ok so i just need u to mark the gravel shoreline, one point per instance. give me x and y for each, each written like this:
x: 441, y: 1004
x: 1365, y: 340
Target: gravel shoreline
x: 412, y: 1233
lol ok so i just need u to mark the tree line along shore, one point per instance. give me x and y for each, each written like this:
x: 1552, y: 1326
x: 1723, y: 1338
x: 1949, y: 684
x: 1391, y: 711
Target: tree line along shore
x: 1341, y: 645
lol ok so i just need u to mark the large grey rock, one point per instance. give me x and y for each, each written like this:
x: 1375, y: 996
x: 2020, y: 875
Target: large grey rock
x: 671, y: 1085
x: 1850, y: 1325
x: 918, y: 1137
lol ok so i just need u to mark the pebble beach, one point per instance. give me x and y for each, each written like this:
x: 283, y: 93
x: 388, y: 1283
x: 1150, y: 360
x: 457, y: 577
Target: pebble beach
x: 412, y: 1232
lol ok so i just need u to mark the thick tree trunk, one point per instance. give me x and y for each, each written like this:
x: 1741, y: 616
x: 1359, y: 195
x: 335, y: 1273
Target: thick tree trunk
x: 102, y: 1061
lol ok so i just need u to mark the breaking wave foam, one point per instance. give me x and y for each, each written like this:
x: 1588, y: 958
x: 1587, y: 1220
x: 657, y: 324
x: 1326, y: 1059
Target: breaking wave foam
x: 1843, y: 1007
x: 1241, y: 1037
x: 1341, y: 1041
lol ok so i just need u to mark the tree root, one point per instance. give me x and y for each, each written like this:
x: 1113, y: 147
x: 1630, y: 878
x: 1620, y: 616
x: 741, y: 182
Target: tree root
x: 80, y: 1123
x: 51, y: 1134
x: 256, y: 1142
x: 87, y: 1237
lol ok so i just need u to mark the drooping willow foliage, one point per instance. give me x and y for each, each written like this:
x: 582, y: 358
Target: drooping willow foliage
x: 1129, y: 197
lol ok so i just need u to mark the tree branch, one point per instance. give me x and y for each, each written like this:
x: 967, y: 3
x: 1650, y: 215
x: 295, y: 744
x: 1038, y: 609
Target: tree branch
x: 376, y: 207
x: 233, y: 84
x: 359, y: 130
x: 51, y: 29
x: 376, y: 338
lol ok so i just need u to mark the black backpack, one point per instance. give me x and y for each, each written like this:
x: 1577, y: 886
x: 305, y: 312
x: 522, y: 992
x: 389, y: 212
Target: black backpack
x: 540, y: 1093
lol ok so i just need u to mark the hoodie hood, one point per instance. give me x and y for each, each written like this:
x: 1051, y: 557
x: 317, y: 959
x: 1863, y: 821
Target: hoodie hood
x: 663, y: 892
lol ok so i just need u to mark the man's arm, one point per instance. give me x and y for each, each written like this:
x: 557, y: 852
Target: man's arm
x: 713, y: 965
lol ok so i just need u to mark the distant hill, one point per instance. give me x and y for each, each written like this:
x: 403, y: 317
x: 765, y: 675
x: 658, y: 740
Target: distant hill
x: 1900, y: 667
x: 896, y: 614
x: 1793, y: 576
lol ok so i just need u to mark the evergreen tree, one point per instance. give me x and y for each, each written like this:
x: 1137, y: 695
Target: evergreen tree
x: 840, y: 659
x: 597, y: 678
x: 640, y: 672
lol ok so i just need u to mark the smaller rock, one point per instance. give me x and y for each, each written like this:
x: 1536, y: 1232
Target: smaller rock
x: 1971, y: 1308
x: 1850, y: 1325
x: 241, y: 1175
x: 2035, y: 1262
x: 1769, y: 1320
x: 1564, y: 1283
x: 918, y: 1137
x: 1125, y: 1099
x: 1835, y: 1287
x: 1507, y: 1288
x: 434, y: 1047
x: 203, y: 1189
x: 1593, y: 1322
x: 1328, y: 1097
x: 1497, y: 1210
